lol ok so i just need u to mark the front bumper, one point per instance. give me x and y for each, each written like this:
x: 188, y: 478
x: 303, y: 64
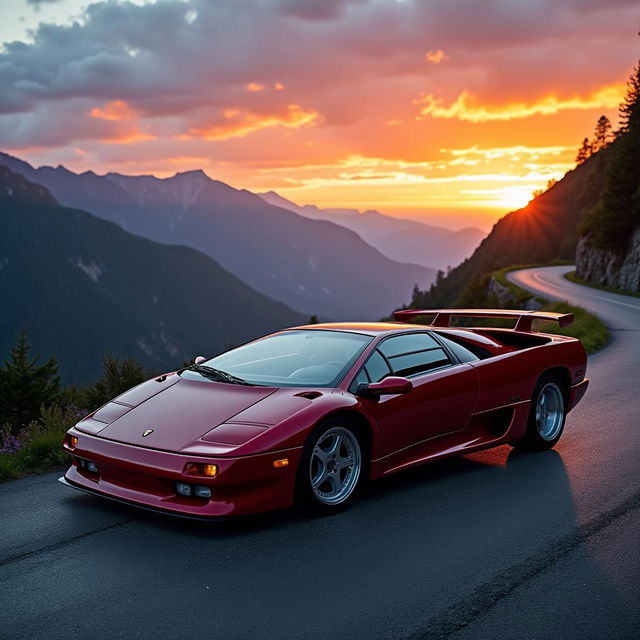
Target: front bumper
x: 147, y: 478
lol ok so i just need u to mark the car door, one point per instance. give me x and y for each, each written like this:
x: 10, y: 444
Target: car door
x: 444, y: 394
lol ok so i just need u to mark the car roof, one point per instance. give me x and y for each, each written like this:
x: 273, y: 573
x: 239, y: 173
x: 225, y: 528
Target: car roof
x: 367, y: 328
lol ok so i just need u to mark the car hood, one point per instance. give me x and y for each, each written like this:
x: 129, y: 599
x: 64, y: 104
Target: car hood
x: 178, y: 413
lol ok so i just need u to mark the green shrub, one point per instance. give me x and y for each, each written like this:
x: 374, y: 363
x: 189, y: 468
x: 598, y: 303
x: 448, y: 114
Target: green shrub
x: 38, y: 446
x: 119, y: 375
x: 586, y: 326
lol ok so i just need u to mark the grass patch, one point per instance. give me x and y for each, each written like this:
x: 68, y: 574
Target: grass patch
x: 43, y: 453
x: 38, y: 447
x: 591, y: 331
x: 603, y: 287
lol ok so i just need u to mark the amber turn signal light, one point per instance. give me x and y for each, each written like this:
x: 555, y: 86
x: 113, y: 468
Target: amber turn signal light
x: 70, y: 441
x: 283, y: 462
x: 197, y: 469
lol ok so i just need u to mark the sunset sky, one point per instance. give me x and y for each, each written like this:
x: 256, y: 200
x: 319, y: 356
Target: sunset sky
x: 452, y: 110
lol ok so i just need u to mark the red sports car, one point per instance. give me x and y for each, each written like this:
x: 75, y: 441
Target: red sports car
x: 304, y: 415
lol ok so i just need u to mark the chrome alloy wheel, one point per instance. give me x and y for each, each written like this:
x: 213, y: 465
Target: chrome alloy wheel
x: 549, y: 411
x: 335, y: 466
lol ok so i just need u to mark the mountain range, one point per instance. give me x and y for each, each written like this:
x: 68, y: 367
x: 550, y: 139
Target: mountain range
x: 82, y: 286
x: 397, y: 238
x: 314, y: 266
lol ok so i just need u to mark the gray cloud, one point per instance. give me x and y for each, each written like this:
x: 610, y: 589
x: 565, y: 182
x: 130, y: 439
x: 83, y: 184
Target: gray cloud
x: 191, y: 61
x: 317, y: 9
x: 36, y: 3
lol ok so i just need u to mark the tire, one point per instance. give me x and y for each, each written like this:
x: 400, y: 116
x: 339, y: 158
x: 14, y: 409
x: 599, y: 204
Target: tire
x: 330, y: 469
x: 547, y: 415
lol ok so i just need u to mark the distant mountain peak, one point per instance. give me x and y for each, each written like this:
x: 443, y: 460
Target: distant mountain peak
x: 195, y: 173
x: 401, y: 239
x: 16, y: 187
x: 178, y: 190
x: 92, y: 260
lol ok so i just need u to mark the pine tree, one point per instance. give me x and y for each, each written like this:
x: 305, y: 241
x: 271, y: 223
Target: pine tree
x: 119, y: 375
x: 629, y: 111
x: 26, y: 386
x: 584, y: 152
x: 612, y: 220
x: 603, y: 134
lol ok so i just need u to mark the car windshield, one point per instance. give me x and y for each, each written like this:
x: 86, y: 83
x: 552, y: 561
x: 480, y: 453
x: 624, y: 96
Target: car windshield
x: 297, y: 358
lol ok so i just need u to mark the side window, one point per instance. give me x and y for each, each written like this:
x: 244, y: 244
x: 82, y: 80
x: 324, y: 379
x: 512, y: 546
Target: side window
x: 464, y: 354
x: 376, y: 367
x: 361, y: 378
x: 412, y: 354
x: 414, y: 363
x: 407, y: 343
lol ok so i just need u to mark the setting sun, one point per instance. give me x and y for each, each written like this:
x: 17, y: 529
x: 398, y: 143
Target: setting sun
x: 512, y: 198
x: 436, y: 124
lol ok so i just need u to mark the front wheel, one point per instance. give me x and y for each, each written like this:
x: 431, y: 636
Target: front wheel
x: 546, y: 417
x: 330, y: 468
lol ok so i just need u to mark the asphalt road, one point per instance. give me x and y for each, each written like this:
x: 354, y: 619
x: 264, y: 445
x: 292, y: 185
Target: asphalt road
x: 493, y: 545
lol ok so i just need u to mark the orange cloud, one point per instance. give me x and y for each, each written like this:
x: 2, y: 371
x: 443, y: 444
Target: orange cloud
x: 436, y: 57
x: 467, y: 107
x: 242, y: 123
x: 278, y: 86
x: 124, y: 120
x: 254, y: 87
x: 501, y: 152
x: 129, y: 137
x: 114, y: 110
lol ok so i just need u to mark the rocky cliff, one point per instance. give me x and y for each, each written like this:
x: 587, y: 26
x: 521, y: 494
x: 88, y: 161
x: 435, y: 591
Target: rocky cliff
x: 619, y: 268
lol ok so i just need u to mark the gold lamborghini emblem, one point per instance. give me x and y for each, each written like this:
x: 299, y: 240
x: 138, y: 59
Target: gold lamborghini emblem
x: 146, y: 432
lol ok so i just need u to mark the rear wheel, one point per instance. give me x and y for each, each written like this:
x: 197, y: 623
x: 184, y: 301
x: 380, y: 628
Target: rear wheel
x: 330, y: 468
x: 546, y: 417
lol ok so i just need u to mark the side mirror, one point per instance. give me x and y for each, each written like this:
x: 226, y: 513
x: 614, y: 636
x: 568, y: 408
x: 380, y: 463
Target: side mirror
x: 388, y: 386
x: 199, y: 360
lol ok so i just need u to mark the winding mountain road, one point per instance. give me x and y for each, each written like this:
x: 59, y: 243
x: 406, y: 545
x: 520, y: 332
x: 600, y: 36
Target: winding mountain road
x: 492, y: 545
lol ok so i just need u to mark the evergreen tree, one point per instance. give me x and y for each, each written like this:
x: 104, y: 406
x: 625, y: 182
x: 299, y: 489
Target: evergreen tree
x: 26, y: 386
x: 629, y: 111
x: 584, y: 152
x: 603, y: 134
x: 612, y: 220
x: 119, y: 375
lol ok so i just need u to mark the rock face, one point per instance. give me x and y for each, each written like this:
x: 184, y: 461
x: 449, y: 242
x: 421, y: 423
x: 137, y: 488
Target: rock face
x: 619, y: 268
x: 504, y: 296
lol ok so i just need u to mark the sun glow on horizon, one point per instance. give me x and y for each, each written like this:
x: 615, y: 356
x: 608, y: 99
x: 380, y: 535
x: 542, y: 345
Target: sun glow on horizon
x: 434, y: 109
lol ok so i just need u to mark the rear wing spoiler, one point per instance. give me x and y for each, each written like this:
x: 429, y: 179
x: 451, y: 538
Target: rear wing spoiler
x: 524, y: 319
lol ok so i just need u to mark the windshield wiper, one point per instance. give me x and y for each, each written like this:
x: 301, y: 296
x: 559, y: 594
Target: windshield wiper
x: 217, y: 374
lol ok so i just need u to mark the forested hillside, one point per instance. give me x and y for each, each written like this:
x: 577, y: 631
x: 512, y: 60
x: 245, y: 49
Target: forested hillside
x: 609, y: 249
